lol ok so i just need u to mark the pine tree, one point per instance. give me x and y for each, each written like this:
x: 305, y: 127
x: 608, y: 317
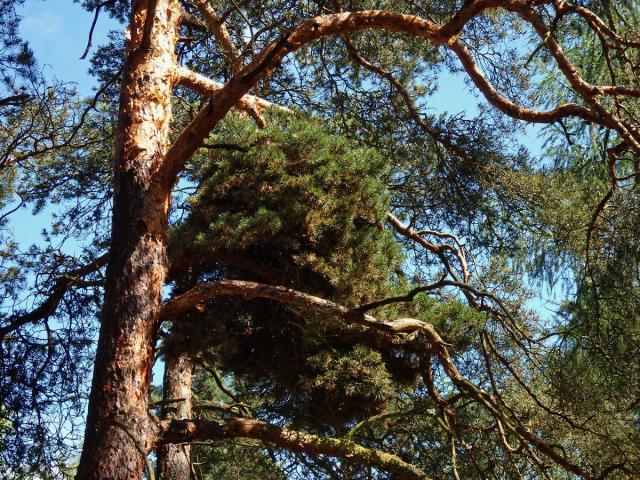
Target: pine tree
x: 458, y: 185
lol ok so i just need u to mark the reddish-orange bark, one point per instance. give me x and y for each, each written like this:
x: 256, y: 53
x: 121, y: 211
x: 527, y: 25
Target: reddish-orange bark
x: 136, y: 271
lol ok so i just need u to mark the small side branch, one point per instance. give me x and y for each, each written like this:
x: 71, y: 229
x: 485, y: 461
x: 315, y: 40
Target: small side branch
x: 50, y: 304
x: 216, y: 26
x: 437, y: 249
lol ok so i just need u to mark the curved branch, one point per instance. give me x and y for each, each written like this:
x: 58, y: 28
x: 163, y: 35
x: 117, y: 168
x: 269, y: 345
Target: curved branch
x: 299, y: 300
x: 194, y: 134
x: 342, y: 23
x: 187, y: 431
x: 437, y: 249
x: 588, y: 91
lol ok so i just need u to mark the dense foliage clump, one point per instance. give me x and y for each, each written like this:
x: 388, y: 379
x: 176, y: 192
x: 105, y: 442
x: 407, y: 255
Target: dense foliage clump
x: 300, y: 207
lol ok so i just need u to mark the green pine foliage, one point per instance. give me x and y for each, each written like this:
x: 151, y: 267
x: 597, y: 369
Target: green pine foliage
x: 308, y: 207
x: 306, y: 204
x: 313, y: 215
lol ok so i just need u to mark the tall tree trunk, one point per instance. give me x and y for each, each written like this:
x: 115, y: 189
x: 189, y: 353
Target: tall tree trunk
x: 118, y: 428
x: 174, y: 461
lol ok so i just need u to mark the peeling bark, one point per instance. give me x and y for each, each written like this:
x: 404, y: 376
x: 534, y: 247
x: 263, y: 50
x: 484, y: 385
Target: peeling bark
x: 137, y: 267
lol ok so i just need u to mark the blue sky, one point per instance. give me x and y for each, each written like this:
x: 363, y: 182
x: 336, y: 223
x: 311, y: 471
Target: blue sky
x: 57, y: 31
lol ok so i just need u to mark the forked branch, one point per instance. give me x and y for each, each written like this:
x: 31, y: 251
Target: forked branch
x: 252, y: 105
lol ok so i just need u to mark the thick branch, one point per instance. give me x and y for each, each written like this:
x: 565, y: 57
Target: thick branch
x: 219, y: 30
x: 343, y: 23
x: 588, y: 91
x: 224, y: 99
x: 248, y: 103
x: 299, y: 300
x: 185, y: 431
x: 596, y: 23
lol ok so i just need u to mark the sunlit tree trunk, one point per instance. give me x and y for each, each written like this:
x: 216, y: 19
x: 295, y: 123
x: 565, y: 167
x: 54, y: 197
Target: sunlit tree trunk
x: 118, y: 430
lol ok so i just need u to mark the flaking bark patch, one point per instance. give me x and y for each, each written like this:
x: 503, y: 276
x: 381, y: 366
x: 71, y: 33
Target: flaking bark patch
x: 118, y: 425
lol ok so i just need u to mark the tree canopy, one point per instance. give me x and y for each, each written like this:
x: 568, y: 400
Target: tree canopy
x: 337, y: 280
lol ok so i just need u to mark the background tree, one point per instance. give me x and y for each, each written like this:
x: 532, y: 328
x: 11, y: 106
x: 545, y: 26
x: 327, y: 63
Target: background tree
x: 46, y: 323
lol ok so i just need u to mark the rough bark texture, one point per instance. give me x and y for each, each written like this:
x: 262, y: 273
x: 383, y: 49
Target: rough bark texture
x: 119, y: 395
x: 174, y: 460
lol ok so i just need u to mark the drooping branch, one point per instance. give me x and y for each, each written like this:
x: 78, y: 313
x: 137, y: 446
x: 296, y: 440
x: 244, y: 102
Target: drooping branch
x: 93, y: 26
x: 594, y: 21
x: 513, y: 424
x: 57, y: 292
x: 613, y: 153
x: 508, y: 107
x: 588, y: 91
x: 186, y: 431
x: 472, y: 294
x: 427, y: 126
x: 569, y: 70
x: 404, y: 326
x: 14, y: 156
